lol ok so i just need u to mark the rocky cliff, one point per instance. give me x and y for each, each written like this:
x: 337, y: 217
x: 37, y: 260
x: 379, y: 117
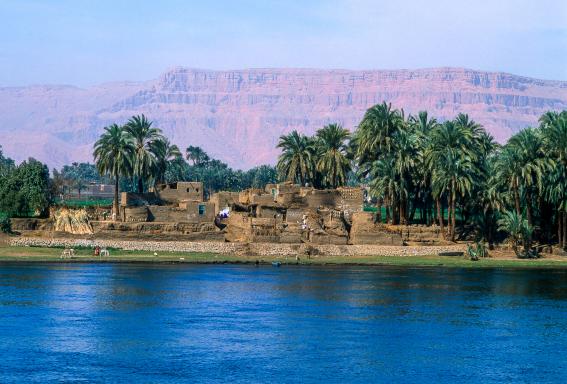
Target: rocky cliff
x: 237, y: 116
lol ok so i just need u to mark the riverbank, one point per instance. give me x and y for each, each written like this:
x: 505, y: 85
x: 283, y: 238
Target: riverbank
x: 10, y: 254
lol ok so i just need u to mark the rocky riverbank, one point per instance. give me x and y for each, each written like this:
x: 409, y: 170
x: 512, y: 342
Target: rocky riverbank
x: 224, y: 248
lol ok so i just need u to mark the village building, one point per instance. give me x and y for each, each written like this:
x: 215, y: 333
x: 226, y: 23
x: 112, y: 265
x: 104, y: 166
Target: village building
x: 283, y: 213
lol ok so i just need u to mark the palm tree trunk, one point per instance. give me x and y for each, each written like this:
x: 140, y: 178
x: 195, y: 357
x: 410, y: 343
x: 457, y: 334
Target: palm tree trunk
x: 529, y: 207
x: 379, y: 211
x: 115, y: 208
x: 488, y: 228
x: 449, y: 205
x: 517, y: 198
x: 140, y: 185
x: 395, y: 206
x: 440, y: 216
x: 564, y: 243
x: 560, y: 239
x: 453, y: 218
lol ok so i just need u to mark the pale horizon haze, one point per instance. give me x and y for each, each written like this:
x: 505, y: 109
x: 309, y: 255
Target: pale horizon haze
x: 86, y: 43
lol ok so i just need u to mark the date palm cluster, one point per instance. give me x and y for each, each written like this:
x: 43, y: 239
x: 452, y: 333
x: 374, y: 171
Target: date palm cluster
x: 452, y: 173
x: 136, y: 150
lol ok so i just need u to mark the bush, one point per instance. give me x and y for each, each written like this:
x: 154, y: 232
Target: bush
x: 5, y: 223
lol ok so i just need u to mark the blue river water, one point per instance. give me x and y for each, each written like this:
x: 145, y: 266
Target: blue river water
x: 129, y: 323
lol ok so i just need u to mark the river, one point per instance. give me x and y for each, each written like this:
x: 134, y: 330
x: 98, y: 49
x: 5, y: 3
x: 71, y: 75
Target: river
x: 131, y: 323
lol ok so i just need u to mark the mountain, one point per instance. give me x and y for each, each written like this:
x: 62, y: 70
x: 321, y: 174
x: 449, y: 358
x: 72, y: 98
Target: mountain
x: 237, y: 116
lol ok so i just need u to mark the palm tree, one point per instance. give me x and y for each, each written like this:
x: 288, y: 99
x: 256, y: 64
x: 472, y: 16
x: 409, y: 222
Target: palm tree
x: 143, y: 138
x: 374, y: 134
x: 422, y: 123
x: 165, y: 152
x: 422, y: 127
x: 554, y: 131
x: 530, y: 167
x: 463, y: 121
x: 521, y: 166
x: 406, y: 156
x: 296, y: 163
x: 384, y: 185
x: 196, y: 155
x: 333, y: 163
x: 451, y: 160
x: 113, y: 153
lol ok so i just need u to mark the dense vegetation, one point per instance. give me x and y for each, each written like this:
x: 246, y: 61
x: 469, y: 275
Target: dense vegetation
x: 451, y: 173
x: 415, y: 169
x: 24, y: 189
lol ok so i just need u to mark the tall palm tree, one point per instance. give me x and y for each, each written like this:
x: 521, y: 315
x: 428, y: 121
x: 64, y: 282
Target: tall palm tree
x: 406, y: 156
x: 554, y: 131
x: 197, y: 155
x: 113, y: 153
x: 143, y: 137
x: 165, y: 152
x: 374, y: 134
x: 422, y: 126
x: 332, y: 162
x: 384, y: 184
x: 530, y: 167
x: 296, y: 163
x: 422, y: 123
x: 463, y: 121
x: 451, y: 159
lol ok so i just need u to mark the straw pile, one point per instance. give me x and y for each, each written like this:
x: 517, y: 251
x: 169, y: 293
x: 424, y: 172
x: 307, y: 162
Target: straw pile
x: 73, y: 221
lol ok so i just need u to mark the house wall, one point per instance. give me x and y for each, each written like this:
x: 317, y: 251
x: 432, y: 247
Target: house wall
x: 262, y: 199
x: 323, y: 198
x: 352, y: 200
x: 131, y: 199
x: 134, y: 214
x: 222, y: 200
x: 188, y: 213
x: 180, y: 191
x: 245, y: 197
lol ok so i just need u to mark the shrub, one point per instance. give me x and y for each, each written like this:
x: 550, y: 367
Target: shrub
x: 5, y: 223
x: 519, y: 234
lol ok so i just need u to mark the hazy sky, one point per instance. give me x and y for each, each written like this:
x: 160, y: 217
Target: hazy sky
x: 88, y: 42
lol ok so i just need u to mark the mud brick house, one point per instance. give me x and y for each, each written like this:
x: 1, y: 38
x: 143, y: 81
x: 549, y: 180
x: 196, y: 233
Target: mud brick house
x: 180, y: 202
x: 180, y: 191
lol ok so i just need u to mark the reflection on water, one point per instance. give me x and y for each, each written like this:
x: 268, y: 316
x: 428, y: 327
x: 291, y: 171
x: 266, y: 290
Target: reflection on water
x: 165, y: 323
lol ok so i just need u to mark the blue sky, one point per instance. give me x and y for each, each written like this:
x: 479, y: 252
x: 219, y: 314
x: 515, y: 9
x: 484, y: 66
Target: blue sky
x: 89, y: 42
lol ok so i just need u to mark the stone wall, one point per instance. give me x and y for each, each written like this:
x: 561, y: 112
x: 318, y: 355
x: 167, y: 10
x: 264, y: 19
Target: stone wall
x: 365, y: 231
x: 260, y: 249
x: 418, y: 234
x: 155, y: 228
x: 239, y: 227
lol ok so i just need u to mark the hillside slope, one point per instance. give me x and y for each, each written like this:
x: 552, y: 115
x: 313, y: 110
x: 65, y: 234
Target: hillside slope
x: 237, y: 116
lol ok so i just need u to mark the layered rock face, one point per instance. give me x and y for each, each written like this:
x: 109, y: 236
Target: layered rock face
x: 238, y: 116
